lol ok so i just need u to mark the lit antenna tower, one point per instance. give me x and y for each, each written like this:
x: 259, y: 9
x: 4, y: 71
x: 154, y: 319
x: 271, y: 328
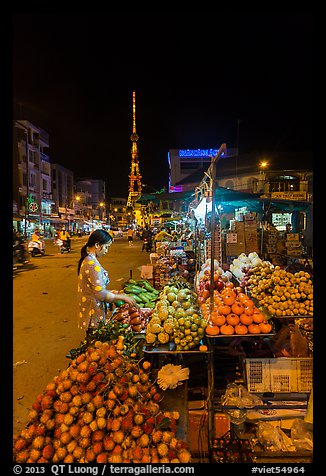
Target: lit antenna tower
x: 134, y: 177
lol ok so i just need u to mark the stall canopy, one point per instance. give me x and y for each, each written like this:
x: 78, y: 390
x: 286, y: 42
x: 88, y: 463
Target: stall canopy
x: 233, y: 199
x: 221, y: 194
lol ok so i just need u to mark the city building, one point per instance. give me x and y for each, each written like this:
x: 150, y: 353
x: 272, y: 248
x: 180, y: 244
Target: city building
x: 32, y: 181
x: 91, y: 206
x: 45, y: 194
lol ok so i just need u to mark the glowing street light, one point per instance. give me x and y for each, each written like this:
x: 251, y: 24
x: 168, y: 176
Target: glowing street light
x: 263, y: 164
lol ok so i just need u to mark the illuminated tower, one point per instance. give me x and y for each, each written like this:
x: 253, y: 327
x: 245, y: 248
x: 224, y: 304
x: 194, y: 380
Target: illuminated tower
x: 134, y: 177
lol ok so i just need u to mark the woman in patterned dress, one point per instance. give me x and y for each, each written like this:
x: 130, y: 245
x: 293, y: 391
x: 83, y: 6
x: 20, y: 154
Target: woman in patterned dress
x: 93, y: 297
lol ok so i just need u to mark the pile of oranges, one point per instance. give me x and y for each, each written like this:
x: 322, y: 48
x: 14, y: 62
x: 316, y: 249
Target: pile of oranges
x: 233, y: 312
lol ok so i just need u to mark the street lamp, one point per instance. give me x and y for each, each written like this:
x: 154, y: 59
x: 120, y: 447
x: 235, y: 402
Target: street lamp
x: 102, y: 209
x: 263, y: 165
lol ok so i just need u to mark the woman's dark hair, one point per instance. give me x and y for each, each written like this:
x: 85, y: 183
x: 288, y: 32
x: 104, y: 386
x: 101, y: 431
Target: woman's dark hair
x: 98, y: 236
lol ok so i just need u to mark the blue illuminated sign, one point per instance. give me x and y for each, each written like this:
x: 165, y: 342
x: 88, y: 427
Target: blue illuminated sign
x: 198, y: 152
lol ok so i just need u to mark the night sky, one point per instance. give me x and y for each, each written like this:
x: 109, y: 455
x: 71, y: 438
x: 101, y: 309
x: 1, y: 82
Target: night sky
x: 197, y: 76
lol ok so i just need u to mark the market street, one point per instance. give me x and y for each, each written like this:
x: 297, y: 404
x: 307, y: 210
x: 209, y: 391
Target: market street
x: 45, y: 315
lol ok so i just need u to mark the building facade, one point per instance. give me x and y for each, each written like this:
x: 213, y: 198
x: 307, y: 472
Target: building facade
x: 45, y: 194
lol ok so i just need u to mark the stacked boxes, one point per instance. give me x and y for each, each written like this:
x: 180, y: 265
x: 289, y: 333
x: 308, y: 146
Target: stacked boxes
x: 293, y: 244
x: 217, y: 245
x: 235, y: 240
x: 271, y: 241
x: 251, y: 235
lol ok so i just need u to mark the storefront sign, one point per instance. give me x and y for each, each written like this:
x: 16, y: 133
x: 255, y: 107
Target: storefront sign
x: 199, y: 153
x: 290, y: 195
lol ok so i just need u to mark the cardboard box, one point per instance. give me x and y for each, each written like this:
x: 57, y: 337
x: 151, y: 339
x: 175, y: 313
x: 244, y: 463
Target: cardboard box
x: 198, y: 431
x: 239, y: 226
x: 146, y: 272
x: 292, y: 237
x: 290, y: 245
x: 222, y: 424
x: 235, y: 249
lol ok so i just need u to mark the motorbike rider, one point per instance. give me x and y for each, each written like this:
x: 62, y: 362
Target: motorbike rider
x: 65, y: 237
x: 18, y: 246
x: 36, y: 236
x: 147, y: 236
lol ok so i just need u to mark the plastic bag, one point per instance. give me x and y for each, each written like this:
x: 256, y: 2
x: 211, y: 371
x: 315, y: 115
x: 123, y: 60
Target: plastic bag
x: 299, y: 344
x: 238, y: 395
x: 269, y: 436
x: 301, y: 435
x: 273, y: 438
x: 282, y: 343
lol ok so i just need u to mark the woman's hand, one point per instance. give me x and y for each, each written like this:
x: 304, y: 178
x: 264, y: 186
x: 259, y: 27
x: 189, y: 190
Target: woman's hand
x: 126, y: 298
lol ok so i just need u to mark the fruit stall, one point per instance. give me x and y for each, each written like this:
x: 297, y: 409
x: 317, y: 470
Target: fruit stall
x: 213, y: 364
x: 259, y: 328
x: 185, y: 378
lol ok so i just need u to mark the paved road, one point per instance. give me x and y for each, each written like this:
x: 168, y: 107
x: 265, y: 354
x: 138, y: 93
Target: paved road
x: 45, y: 315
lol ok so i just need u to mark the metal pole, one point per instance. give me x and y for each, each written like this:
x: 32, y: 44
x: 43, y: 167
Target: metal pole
x: 211, y: 289
x: 27, y: 185
x: 213, y: 188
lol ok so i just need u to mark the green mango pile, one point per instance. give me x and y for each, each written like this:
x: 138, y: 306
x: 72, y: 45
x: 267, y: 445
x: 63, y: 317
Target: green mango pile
x: 142, y: 291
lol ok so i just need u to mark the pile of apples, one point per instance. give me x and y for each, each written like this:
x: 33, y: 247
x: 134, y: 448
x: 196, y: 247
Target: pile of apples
x: 203, y: 281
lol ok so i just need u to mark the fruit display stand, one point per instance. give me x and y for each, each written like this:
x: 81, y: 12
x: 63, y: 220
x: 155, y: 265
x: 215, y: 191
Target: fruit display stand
x: 286, y: 381
x: 103, y: 408
x: 178, y: 398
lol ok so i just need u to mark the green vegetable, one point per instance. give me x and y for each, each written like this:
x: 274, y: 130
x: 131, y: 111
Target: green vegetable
x: 144, y: 298
x: 135, y: 297
x: 119, y: 303
x: 131, y: 288
x: 145, y: 284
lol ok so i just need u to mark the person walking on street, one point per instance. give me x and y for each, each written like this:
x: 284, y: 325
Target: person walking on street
x: 93, y: 297
x: 130, y: 236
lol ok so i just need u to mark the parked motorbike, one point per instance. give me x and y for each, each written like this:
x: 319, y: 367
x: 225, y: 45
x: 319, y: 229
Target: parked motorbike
x: 64, y: 246
x: 36, y: 248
